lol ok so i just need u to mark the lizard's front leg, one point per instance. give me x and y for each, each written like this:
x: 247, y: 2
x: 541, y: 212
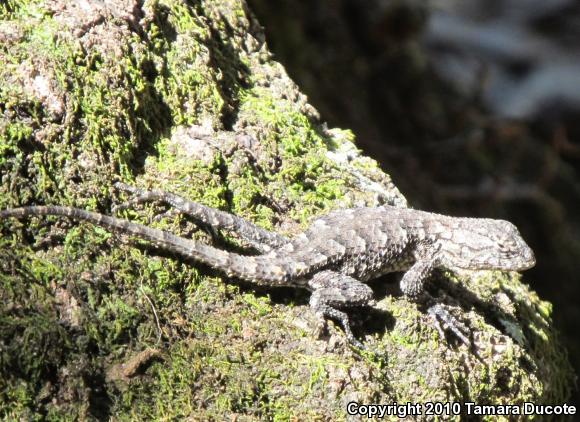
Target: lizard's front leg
x: 413, y: 287
x: 333, y: 291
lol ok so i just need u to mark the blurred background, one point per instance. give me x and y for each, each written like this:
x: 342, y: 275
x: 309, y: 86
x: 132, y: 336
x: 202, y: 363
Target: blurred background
x: 472, y: 107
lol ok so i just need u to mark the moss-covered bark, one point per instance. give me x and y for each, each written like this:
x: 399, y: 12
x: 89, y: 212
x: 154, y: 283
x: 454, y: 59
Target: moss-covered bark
x: 185, y: 97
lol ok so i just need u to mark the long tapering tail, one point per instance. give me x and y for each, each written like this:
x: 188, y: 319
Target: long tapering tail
x: 257, y: 269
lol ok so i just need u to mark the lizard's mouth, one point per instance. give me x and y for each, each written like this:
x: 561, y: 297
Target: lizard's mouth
x: 524, y: 260
x: 530, y: 259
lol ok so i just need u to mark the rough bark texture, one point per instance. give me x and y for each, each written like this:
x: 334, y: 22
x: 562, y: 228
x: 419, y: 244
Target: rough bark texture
x: 185, y: 97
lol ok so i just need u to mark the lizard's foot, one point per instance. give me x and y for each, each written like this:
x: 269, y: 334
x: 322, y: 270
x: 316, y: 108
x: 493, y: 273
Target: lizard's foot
x: 333, y: 290
x: 445, y: 321
x: 142, y: 196
x: 324, y: 312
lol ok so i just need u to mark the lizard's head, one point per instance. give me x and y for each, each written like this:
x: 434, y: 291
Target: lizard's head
x: 487, y: 244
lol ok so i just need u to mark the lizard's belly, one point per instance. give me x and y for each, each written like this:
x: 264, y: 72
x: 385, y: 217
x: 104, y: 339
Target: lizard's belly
x: 374, y: 265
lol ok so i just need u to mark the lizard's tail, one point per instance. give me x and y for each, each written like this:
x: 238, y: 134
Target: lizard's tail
x: 257, y: 269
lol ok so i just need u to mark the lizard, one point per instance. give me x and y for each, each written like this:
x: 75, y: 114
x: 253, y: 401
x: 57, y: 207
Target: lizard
x: 336, y: 255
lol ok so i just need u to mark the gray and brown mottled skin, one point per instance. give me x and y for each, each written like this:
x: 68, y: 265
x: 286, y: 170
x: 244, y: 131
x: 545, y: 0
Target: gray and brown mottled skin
x: 337, y: 253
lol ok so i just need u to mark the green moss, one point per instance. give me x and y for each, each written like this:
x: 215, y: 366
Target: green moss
x: 111, y: 106
x: 17, y: 9
x: 34, y: 343
x: 188, y: 84
x: 307, y: 175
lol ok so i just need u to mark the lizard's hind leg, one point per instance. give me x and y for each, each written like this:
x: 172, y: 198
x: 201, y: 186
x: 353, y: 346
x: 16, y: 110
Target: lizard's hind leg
x: 333, y: 291
x: 259, y: 238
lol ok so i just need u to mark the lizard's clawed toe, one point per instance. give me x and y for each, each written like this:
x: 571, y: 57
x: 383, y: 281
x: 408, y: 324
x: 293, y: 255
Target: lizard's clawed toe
x: 445, y: 321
